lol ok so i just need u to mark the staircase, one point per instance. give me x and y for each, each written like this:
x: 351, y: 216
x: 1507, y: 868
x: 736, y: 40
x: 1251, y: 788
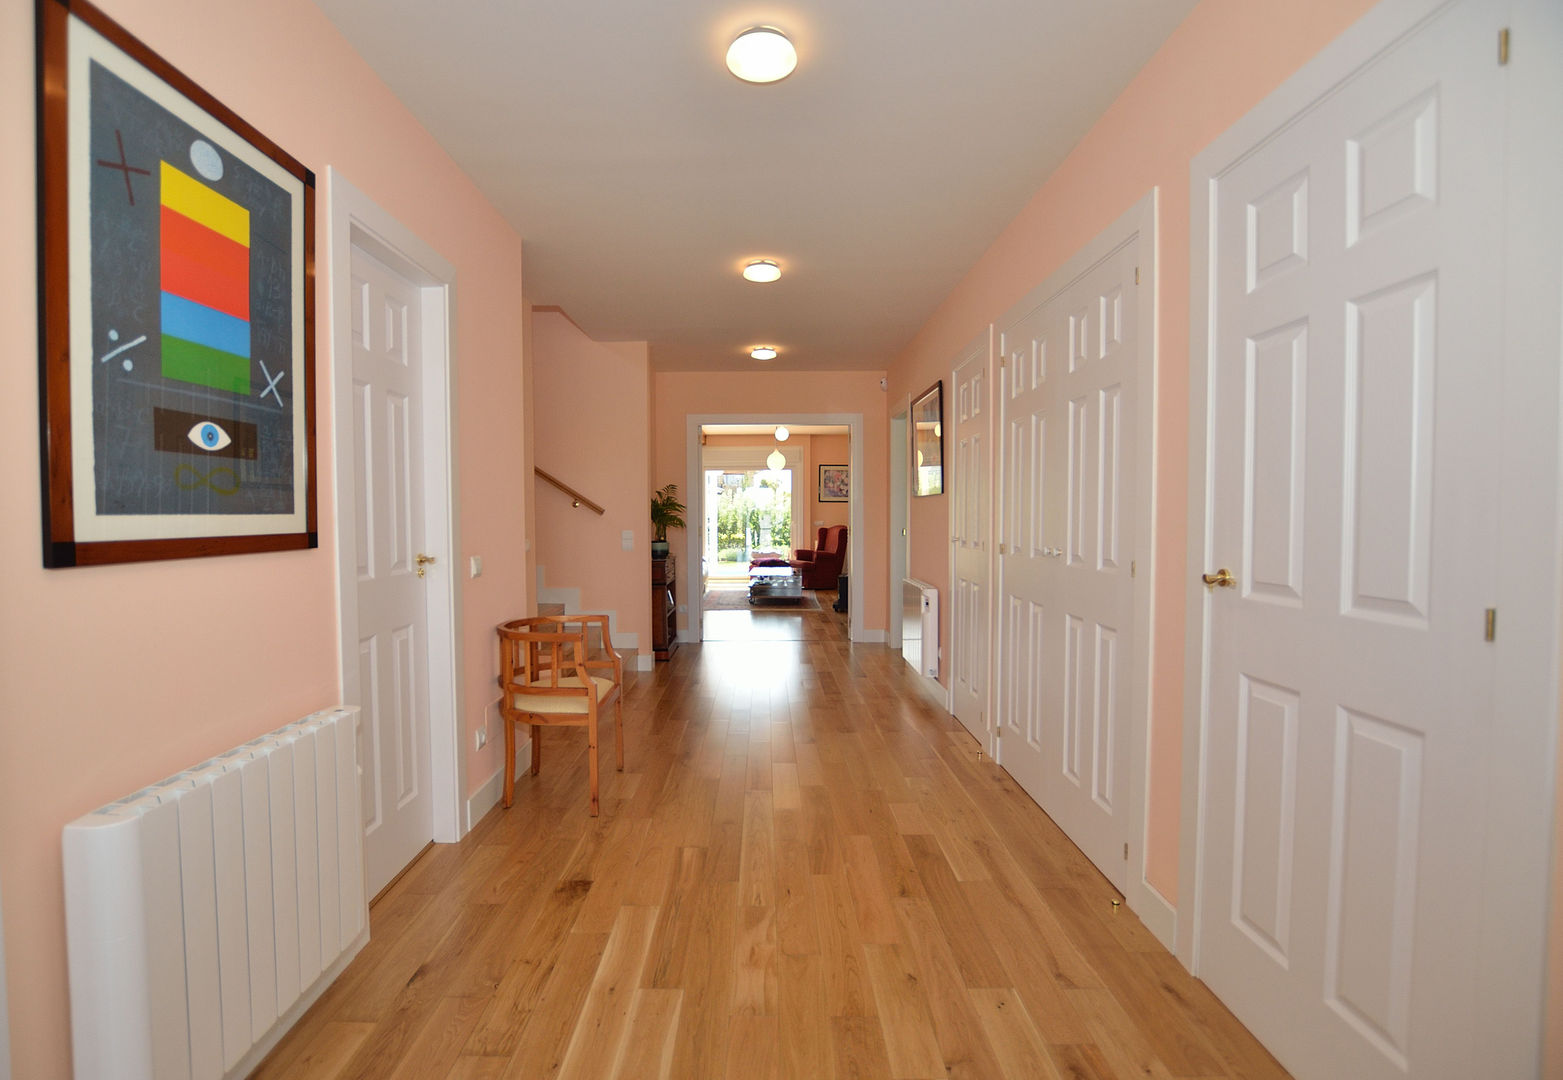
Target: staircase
x: 567, y: 601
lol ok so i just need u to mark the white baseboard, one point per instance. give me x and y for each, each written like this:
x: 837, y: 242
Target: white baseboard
x: 285, y: 1024
x: 645, y: 662
x: 487, y: 797
x: 1158, y: 915
x: 872, y: 637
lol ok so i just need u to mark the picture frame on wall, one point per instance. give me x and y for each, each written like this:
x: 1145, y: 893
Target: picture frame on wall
x: 835, y: 483
x: 928, y: 441
x: 176, y: 296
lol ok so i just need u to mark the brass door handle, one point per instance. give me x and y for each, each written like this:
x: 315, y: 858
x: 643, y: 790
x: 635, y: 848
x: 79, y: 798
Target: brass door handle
x: 424, y: 561
x: 1221, y: 579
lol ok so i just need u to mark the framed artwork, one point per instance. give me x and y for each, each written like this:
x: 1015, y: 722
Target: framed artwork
x: 928, y: 441
x: 176, y: 295
x: 835, y: 483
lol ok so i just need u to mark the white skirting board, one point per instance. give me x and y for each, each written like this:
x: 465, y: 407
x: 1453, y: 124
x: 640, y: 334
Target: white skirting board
x: 487, y: 797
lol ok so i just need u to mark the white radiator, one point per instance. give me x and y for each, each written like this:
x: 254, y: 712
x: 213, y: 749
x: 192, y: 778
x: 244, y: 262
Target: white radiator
x: 920, y: 626
x: 202, y: 912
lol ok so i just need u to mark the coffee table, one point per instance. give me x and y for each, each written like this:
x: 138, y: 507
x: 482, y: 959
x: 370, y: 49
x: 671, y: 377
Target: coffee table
x: 780, y: 583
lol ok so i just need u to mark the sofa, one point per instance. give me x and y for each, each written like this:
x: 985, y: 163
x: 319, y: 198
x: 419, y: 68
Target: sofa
x: 821, y: 565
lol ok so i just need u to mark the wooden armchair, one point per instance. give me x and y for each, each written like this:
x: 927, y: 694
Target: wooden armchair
x: 548, y: 677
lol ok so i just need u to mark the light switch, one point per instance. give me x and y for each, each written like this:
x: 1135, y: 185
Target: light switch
x: 627, y: 539
x: 475, y: 566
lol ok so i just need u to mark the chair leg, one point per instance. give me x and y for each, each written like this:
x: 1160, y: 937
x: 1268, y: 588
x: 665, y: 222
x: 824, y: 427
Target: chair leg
x: 510, y: 760
x: 618, y: 727
x: 591, y: 754
x: 537, y: 750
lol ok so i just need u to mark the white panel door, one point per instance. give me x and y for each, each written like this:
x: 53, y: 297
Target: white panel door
x: 1355, y: 295
x: 393, y: 643
x: 969, y: 525
x: 1066, y: 617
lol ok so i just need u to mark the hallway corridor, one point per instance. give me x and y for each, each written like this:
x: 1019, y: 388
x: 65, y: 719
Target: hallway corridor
x: 804, y: 872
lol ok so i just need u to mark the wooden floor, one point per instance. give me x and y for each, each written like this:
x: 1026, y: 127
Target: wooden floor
x: 806, y: 871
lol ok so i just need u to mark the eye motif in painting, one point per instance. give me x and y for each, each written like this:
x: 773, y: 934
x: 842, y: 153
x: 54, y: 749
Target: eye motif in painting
x: 209, y: 436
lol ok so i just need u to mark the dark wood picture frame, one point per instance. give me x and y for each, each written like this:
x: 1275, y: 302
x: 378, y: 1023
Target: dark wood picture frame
x: 927, y: 449
x: 106, y: 438
x: 827, y: 489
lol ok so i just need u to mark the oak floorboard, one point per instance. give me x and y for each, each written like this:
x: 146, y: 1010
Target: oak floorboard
x: 807, y: 871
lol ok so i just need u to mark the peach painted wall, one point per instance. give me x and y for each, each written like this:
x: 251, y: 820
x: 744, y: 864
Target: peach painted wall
x: 827, y: 450
x: 678, y: 394
x: 1224, y: 58
x: 593, y: 408
x: 113, y: 677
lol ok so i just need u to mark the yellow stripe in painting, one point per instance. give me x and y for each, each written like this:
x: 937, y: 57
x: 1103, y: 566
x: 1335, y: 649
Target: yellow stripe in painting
x: 188, y: 196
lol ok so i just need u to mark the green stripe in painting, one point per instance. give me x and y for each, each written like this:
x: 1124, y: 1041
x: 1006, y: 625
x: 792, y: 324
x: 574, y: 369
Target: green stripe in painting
x: 205, y: 366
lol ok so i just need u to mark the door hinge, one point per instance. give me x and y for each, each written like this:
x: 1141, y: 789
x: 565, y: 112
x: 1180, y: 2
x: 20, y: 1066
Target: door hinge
x: 1492, y: 624
x: 1503, y: 47
x: 1131, y: 567
x: 1126, y: 853
x: 1136, y: 275
x: 1001, y: 550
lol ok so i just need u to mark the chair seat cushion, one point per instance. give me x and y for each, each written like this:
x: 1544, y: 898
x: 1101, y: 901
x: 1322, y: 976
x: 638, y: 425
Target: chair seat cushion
x: 560, y: 703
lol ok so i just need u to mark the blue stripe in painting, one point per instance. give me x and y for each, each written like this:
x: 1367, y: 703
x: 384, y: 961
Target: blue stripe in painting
x: 206, y: 326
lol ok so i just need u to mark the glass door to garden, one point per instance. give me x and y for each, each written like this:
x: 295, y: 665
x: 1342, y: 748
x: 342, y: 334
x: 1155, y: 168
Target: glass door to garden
x: 748, y: 516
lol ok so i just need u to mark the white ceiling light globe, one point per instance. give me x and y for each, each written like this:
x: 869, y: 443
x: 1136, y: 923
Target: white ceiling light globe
x: 782, y: 434
x: 777, y: 461
x: 763, y: 352
x: 761, y: 54
x: 762, y: 270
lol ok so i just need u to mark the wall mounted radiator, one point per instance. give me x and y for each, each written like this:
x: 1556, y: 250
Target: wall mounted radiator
x: 920, y: 626
x: 206, y: 912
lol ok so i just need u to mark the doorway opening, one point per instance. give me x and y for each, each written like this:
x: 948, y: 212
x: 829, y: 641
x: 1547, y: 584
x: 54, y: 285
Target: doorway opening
x: 748, y: 517
x: 768, y: 490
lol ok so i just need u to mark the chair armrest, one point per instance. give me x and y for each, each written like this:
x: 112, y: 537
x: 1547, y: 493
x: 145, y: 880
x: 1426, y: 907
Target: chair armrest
x: 803, y: 555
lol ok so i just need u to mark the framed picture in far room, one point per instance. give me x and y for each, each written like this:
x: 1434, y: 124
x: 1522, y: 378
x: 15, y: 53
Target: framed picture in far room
x: 835, y: 483
x: 928, y: 441
x: 177, y: 310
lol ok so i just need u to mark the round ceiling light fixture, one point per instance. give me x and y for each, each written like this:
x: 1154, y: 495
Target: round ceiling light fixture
x: 761, y: 54
x: 782, y: 434
x: 761, y: 270
x: 763, y: 352
x: 777, y: 461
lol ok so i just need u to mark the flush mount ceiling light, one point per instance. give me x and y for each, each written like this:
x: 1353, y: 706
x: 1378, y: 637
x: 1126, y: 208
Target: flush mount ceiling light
x: 763, y: 352
x: 762, y: 270
x: 776, y: 461
x: 761, y: 54
x: 782, y: 434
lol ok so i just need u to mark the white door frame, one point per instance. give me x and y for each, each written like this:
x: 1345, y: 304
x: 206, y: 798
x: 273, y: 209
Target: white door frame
x: 694, y: 484
x: 355, y: 219
x: 1137, y: 225
x: 1517, y: 854
x: 754, y: 457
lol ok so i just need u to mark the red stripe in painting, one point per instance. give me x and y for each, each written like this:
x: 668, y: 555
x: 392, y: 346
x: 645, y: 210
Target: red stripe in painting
x: 204, y: 266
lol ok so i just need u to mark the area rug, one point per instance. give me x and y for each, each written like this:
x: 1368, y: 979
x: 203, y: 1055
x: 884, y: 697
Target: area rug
x: 736, y: 598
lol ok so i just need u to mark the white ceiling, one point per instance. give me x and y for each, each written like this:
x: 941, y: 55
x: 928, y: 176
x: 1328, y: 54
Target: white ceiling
x: 642, y: 175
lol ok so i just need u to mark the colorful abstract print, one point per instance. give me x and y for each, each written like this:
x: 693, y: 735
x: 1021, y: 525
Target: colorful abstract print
x: 205, y: 285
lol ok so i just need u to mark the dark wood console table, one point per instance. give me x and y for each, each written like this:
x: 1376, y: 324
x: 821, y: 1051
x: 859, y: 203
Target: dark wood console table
x: 664, y: 608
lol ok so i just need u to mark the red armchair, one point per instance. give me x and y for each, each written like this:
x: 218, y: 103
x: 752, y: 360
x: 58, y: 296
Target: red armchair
x: 822, y: 566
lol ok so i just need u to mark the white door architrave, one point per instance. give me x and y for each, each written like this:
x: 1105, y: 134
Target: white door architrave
x: 357, y: 221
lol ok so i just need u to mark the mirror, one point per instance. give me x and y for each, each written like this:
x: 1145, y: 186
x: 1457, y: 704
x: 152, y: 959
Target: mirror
x: 928, y: 441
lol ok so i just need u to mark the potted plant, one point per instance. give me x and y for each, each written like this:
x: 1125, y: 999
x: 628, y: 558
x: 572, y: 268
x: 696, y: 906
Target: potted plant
x: 666, y: 513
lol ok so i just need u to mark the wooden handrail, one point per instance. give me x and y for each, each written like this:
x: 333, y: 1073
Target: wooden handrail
x: 576, y: 496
